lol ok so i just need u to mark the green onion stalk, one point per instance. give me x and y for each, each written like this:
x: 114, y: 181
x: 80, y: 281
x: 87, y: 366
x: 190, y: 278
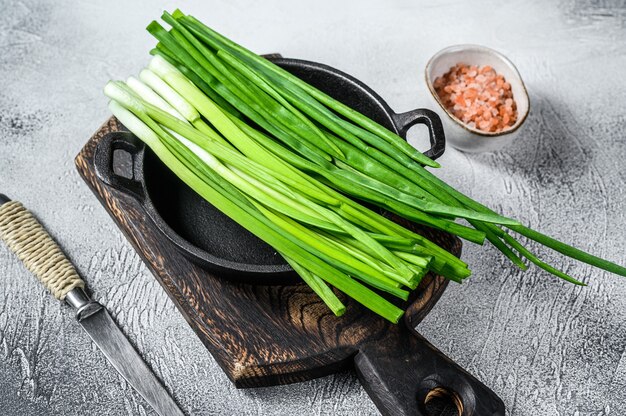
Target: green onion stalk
x: 288, y: 162
x: 327, y: 238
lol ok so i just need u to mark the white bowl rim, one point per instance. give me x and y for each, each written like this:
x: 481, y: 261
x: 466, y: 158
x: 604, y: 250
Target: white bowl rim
x: 507, y: 61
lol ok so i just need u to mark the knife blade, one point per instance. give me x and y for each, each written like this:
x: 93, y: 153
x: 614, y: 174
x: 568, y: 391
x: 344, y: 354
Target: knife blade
x: 43, y: 257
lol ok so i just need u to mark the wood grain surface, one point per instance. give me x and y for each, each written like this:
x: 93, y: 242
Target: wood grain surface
x: 260, y: 335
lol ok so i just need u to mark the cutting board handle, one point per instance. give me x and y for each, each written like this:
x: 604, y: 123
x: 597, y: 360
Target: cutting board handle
x: 402, y: 371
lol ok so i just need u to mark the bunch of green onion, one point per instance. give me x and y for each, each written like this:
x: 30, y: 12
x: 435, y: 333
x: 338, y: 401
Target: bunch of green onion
x: 286, y: 161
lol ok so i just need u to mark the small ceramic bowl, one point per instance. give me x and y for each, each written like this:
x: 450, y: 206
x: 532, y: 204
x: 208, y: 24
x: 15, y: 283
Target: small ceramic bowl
x: 459, y: 134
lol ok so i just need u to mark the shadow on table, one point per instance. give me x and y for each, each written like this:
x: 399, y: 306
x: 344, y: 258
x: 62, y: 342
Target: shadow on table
x: 553, y: 147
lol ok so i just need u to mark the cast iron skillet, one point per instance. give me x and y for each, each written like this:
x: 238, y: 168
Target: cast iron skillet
x: 202, y: 233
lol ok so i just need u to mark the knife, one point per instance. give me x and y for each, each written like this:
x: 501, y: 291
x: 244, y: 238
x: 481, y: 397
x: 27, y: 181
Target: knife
x: 27, y: 238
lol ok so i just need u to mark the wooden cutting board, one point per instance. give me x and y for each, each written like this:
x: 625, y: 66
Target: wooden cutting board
x: 268, y: 335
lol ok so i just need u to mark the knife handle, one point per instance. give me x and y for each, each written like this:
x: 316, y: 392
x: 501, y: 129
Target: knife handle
x: 27, y: 238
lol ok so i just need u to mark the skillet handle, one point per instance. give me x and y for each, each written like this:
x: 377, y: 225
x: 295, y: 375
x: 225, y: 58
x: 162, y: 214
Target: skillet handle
x: 404, y: 121
x: 402, y: 371
x: 104, y: 158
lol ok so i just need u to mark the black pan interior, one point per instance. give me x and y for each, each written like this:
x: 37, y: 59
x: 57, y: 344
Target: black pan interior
x: 211, y: 231
x: 200, y: 223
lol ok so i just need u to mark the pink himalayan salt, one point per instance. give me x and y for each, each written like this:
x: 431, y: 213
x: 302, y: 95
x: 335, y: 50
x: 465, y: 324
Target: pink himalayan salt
x: 478, y: 96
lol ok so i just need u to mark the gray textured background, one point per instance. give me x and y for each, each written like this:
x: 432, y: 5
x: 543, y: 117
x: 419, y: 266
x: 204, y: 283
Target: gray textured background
x: 547, y: 348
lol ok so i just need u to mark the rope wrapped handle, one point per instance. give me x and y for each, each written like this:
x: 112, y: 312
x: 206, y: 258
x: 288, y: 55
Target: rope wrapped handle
x: 27, y: 238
